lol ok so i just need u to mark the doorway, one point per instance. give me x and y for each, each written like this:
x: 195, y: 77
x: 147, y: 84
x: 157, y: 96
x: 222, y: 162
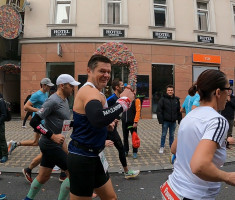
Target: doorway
x: 162, y: 75
x: 56, y: 69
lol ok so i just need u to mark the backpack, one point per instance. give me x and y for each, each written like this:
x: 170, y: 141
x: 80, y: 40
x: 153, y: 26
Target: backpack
x: 8, y: 110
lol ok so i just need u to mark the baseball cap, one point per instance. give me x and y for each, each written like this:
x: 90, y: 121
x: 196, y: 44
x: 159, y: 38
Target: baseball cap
x: 47, y: 81
x: 66, y: 78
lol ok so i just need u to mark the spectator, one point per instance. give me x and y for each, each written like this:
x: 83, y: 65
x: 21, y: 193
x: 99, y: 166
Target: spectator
x: 228, y: 113
x: 168, y: 111
x: 3, y: 143
x: 130, y: 120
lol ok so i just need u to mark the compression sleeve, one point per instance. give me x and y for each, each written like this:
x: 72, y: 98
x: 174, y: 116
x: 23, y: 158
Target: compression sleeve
x: 35, y: 122
x: 99, y: 117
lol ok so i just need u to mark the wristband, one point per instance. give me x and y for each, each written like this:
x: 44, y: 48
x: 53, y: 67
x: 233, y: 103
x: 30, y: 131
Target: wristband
x: 41, y: 129
x: 125, y: 103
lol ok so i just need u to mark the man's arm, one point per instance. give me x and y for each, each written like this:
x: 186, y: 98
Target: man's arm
x: 29, y: 107
x: 137, y: 113
x: 39, y: 128
x: 179, y: 118
x: 159, y: 111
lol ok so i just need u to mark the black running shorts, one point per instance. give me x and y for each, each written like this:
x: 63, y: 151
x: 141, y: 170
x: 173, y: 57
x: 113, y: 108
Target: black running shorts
x: 86, y: 174
x: 52, y: 157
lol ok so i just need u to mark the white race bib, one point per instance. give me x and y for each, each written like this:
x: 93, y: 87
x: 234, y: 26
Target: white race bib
x: 103, y: 161
x: 66, y: 127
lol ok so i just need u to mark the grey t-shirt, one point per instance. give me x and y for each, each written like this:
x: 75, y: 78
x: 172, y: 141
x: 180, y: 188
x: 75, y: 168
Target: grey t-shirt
x: 54, y: 111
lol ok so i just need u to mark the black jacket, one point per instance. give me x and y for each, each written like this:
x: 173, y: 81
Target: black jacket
x: 3, y: 112
x: 228, y: 112
x: 168, y: 109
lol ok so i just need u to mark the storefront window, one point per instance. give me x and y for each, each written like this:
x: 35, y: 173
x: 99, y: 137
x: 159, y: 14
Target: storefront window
x: 120, y: 71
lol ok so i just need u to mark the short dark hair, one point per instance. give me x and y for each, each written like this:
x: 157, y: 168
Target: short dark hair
x: 207, y: 82
x: 170, y: 86
x: 115, y: 83
x: 92, y: 63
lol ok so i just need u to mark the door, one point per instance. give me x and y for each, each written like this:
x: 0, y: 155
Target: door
x: 162, y: 75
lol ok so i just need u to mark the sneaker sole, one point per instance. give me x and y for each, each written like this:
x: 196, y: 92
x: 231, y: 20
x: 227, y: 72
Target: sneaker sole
x: 9, y: 149
x: 26, y: 177
x: 132, y: 176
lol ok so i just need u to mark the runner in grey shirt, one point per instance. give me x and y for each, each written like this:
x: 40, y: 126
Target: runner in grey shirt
x: 55, y: 110
x: 53, y: 147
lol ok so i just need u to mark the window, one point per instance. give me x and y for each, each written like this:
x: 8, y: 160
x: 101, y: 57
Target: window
x: 160, y: 12
x: 63, y: 11
x: 120, y: 71
x: 114, y: 11
x: 202, y: 16
x: 234, y: 14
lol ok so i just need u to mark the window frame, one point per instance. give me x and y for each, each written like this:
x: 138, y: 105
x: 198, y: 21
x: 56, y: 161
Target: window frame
x: 56, y: 10
x: 156, y: 5
x: 120, y: 11
x: 200, y: 10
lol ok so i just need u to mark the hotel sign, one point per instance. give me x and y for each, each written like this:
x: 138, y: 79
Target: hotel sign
x: 206, y: 39
x: 61, y: 32
x: 162, y: 35
x: 113, y: 33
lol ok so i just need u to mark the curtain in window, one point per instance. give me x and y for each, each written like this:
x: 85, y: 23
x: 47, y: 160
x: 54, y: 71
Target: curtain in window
x: 113, y: 13
x: 62, y: 14
x: 202, y: 21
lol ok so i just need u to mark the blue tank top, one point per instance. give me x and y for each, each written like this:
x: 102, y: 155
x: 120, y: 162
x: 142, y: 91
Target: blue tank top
x: 87, y: 135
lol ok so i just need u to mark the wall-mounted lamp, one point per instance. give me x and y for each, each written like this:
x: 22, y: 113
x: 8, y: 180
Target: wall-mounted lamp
x: 26, y: 4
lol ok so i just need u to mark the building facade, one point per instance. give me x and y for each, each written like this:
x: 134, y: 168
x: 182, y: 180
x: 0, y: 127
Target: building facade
x: 172, y: 42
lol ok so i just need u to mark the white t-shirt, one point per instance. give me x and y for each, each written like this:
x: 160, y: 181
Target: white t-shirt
x: 201, y: 123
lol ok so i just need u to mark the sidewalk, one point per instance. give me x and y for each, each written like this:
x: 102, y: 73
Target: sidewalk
x: 148, y: 157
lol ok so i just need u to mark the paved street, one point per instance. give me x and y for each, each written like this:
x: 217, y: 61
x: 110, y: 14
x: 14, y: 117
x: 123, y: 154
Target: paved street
x: 144, y: 187
x: 148, y: 157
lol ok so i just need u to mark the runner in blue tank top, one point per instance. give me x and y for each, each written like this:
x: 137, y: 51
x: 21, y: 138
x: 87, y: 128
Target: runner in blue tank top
x: 86, y: 162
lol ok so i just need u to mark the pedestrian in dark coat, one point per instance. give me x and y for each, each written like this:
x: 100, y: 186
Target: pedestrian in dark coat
x: 168, y: 111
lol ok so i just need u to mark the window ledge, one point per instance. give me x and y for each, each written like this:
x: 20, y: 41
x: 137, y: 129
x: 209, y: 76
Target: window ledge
x: 114, y: 25
x: 205, y: 32
x: 60, y: 25
x: 162, y: 28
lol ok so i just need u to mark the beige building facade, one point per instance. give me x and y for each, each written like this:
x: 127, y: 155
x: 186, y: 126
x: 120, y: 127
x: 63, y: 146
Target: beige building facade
x: 172, y: 41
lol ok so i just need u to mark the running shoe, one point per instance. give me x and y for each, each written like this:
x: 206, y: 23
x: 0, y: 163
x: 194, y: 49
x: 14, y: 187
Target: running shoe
x: 3, y: 196
x: 161, y: 150
x: 26, y: 198
x: 11, y: 147
x: 24, y: 127
x: 131, y: 174
x: 56, y: 168
x: 27, y: 174
x: 62, y: 177
x: 135, y: 155
x: 4, y: 159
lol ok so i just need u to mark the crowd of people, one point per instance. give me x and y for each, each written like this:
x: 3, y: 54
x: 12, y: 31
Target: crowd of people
x: 199, y: 149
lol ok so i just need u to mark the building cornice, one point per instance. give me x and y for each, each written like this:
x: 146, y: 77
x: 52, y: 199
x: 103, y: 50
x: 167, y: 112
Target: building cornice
x: 42, y: 40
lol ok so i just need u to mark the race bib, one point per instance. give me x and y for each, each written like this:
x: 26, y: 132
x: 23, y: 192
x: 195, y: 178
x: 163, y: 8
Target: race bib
x: 168, y: 193
x: 103, y: 161
x: 66, y: 127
